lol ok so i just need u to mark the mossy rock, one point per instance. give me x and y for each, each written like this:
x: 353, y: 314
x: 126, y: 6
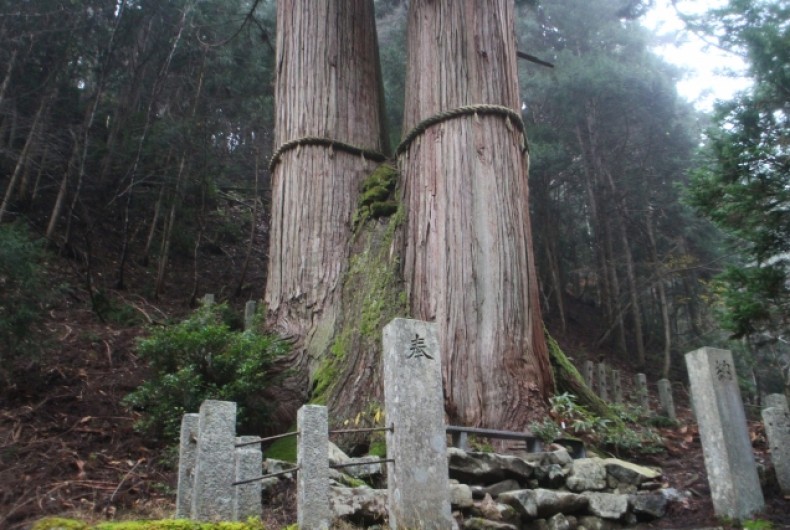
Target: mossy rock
x: 58, y: 523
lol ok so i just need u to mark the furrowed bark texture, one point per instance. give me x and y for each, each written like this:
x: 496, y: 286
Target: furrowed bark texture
x: 327, y: 86
x: 468, y: 263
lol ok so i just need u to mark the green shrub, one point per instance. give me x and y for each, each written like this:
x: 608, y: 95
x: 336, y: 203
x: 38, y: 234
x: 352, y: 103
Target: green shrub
x: 21, y: 292
x: 203, y: 358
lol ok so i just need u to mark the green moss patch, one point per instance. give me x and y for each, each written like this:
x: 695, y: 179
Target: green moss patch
x: 376, y: 199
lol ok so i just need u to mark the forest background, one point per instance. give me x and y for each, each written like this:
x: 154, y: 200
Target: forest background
x: 135, y: 138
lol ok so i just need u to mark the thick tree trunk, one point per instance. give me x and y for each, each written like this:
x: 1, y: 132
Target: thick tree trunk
x: 328, y: 86
x: 468, y: 261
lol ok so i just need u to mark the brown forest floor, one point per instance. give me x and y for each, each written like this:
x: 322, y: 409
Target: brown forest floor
x: 67, y: 446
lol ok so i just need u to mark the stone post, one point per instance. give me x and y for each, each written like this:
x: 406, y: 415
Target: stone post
x: 775, y: 400
x: 665, y: 397
x: 208, y: 300
x: 642, y: 392
x: 249, y: 314
x: 212, y: 496
x: 729, y: 460
x: 777, y: 428
x: 589, y: 370
x: 312, y: 486
x: 603, y: 382
x: 617, y: 386
x: 187, y: 448
x: 417, y: 480
x: 249, y: 464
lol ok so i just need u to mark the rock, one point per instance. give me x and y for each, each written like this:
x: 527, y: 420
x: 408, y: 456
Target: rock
x: 478, y: 523
x: 556, y: 476
x: 272, y: 465
x: 501, y: 487
x: 461, y: 496
x: 590, y: 522
x: 361, y: 505
x: 531, y: 504
x: 485, y: 468
x: 364, y: 470
x: 341, y: 479
x: 488, y: 509
x: 558, y: 522
x: 630, y: 473
x: 606, y: 505
x: 336, y: 455
x: 587, y: 474
x: 651, y: 505
x: 538, y: 524
x: 507, y: 513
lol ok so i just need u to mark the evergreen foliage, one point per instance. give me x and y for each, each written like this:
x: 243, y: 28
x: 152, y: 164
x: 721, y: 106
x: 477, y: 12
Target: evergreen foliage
x: 20, y: 292
x: 744, y: 184
x: 202, y: 358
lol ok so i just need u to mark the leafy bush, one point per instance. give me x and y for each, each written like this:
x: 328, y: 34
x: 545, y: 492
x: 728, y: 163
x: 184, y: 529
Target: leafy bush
x: 625, y: 432
x: 203, y: 358
x: 20, y: 289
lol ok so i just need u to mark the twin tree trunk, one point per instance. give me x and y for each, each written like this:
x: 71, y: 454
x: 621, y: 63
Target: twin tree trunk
x: 466, y: 251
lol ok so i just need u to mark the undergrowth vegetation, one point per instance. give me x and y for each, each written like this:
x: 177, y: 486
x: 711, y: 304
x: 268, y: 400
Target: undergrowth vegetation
x: 21, y: 293
x: 625, y: 432
x: 204, y: 357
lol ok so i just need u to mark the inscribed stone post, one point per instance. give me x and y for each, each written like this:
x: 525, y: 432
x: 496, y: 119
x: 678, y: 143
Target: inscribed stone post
x: 729, y: 460
x: 603, y: 382
x: 187, y: 449
x: 312, y: 486
x: 249, y: 464
x: 617, y: 386
x: 642, y: 392
x: 665, y: 398
x: 777, y: 428
x: 417, y: 479
x: 212, y: 495
x: 249, y: 314
x: 589, y: 378
x: 775, y: 400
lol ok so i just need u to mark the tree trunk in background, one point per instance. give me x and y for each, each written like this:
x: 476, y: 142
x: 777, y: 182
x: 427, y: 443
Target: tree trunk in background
x: 662, y: 294
x: 328, y: 86
x: 468, y: 262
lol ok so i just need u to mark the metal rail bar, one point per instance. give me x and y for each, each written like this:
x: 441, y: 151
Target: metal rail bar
x: 268, y: 439
x: 269, y: 475
x: 352, y: 464
x: 391, y: 428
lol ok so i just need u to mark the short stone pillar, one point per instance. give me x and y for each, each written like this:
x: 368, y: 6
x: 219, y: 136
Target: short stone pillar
x: 589, y: 371
x: 617, y: 386
x: 212, y: 495
x: 642, y: 393
x: 249, y: 314
x: 603, y: 382
x: 187, y: 451
x: 248, y: 465
x: 775, y: 400
x: 417, y: 479
x: 208, y: 300
x: 665, y: 398
x: 729, y: 460
x: 312, y: 485
x: 777, y: 429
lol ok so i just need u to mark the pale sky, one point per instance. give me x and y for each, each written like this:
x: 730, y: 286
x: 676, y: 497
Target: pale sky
x: 706, y: 78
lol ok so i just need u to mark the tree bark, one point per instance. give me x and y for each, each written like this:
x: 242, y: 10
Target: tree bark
x: 468, y: 260
x: 327, y: 86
